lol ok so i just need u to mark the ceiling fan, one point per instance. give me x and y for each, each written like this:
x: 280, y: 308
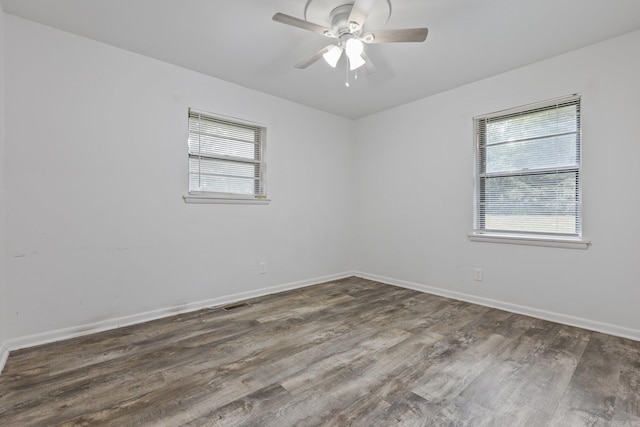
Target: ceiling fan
x: 347, y: 28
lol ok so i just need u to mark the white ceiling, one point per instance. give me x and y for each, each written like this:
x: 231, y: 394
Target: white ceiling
x: 237, y: 41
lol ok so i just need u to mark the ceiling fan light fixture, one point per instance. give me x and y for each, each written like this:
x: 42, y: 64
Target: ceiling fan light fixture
x: 332, y: 56
x: 347, y: 24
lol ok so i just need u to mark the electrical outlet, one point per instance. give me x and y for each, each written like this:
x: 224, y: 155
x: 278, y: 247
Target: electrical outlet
x: 263, y: 267
x: 477, y: 274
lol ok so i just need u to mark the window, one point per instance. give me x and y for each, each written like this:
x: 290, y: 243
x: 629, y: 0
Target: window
x: 226, y: 158
x: 528, y: 171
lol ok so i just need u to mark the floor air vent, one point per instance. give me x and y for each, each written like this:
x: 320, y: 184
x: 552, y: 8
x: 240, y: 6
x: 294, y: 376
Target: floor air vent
x: 234, y: 306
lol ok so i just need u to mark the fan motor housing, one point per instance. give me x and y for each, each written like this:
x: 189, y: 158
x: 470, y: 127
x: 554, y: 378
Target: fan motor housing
x: 316, y: 11
x: 340, y: 19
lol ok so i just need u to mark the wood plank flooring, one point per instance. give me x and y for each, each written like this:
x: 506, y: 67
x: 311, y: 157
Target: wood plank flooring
x: 349, y: 352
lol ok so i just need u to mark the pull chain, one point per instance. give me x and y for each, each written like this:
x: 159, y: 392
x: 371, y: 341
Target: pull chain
x: 346, y: 83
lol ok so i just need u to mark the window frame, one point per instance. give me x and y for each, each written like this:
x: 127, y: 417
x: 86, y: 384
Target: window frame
x: 480, y: 233
x: 259, y: 196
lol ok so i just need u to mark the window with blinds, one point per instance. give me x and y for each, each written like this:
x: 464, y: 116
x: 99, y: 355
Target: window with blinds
x: 226, y: 157
x: 528, y: 171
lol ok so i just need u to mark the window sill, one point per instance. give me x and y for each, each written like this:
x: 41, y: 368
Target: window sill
x: 209, y: 199
x: 530, y: 241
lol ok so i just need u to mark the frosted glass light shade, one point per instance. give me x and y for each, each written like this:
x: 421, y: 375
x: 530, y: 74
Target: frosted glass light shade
x: 332, y: 56
x: 356, y: 62
x: 354, y: 48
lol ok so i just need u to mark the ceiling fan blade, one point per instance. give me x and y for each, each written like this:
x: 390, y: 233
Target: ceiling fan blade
x: 359, y: 13
x: 396, y: 36
x: 301, y: 23
x: 304, y: 64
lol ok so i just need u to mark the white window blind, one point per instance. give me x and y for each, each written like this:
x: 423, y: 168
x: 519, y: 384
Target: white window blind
x: 528, y: 170
x: 226, y: 157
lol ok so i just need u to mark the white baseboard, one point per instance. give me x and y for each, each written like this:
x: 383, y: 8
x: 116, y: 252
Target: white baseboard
x: 4, y: 354
x: 592, y: 325
x: 104, y: 325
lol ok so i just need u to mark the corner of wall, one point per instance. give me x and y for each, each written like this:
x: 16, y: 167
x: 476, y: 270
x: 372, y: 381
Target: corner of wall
x: 4, y: 352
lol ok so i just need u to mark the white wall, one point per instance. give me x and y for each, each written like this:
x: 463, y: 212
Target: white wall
x: 415, y: 181
x: 98, y: 228
x: 3, y: 269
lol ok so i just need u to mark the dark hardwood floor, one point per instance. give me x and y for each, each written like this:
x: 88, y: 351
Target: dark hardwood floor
x: 349, y: 352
